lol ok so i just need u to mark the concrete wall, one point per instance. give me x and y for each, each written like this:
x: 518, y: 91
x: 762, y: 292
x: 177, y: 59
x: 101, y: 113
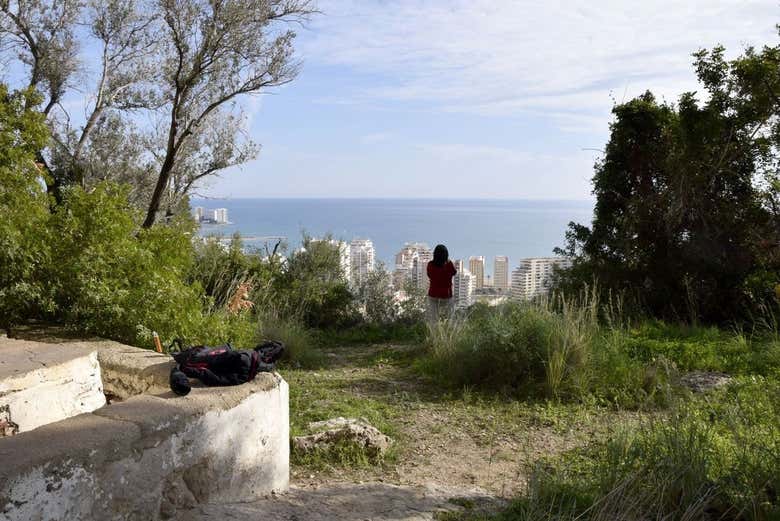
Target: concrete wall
x: 45, y: 383
x: 149, y: 455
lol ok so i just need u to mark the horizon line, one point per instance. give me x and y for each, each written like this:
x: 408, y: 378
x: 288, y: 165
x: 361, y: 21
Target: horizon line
x: 372, y: 198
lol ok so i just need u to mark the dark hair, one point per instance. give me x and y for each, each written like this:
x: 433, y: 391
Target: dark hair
x: 440, y: 255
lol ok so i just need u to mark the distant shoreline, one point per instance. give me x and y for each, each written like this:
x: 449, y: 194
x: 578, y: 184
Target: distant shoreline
x: 410, y: 199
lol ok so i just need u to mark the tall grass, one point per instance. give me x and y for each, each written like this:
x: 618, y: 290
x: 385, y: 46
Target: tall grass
x: 300, y: 350
x: 516, y: 347
x: 710, y: 459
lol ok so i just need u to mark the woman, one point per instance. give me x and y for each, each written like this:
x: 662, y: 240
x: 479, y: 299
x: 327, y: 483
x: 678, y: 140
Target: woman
x: 440, y: 273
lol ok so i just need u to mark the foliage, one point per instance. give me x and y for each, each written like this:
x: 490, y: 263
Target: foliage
x: 313, y: 286
x: 516, y: 347
x: 183, y: 64
x: 298, y: 339
x: 686, y: 216
x: 221, y: 268
x: 113, y: 279
x: 715, y: 458
x: 24, y: 242
x: 366, y: 333
x: 374, y: 295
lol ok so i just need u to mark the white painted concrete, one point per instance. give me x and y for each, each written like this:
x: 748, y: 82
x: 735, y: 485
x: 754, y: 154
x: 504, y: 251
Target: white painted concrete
x: 45, y: 383
x: 147, y: 457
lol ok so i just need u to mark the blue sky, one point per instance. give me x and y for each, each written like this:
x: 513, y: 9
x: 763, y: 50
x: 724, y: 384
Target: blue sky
x: 477, y: 98
x: 472, y: 98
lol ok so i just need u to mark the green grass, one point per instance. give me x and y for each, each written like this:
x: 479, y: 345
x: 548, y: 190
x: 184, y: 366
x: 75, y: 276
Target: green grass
x: 516, y: 368
x: 371, y: 334
x: 712, y: 457
x: 299, y: 341
x: 317, y: 396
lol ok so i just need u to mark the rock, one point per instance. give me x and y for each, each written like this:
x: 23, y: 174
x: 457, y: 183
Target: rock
x: 349, y: 430
x: 701, y: 381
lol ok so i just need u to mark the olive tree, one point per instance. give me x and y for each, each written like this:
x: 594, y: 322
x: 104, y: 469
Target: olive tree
x: 163, y: 105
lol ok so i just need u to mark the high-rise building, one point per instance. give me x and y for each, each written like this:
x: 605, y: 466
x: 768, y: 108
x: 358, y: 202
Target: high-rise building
x: 362, y: 258
x: 197, y: 213
x: 533, y: 276
x: 411, y: 265
x: 221, y: 216
x: 501, y: 273
x: 477, y: 268
x: 463, y: 286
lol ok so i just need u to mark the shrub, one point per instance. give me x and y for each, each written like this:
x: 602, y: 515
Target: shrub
x: 111, y: 278
x: 554, y: 349
x: 706, y: 348
x: 515, y: 347
x: 297, y: 338
x: 220, y: 269
x: 24, y: 238
x: 714, y: 459
x: 367, y: 333
x: 312, y: 287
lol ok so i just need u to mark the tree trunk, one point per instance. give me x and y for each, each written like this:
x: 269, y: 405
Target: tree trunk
x: 159, y: 189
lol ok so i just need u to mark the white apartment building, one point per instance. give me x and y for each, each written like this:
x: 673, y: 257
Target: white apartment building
x: 463, y: 286
x: 221, y: 216
x: 477, y: 269
x: 362, y: 259
x: 411, y: 265
x: 533, y: 276
x: 501, y: 273
x: 217, y: 216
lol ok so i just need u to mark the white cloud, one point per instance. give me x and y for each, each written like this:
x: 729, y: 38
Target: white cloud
x: 505, y: 57
x: 375, y: 138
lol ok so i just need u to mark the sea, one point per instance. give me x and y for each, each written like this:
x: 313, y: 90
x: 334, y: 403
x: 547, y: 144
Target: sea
x: 468, y: 227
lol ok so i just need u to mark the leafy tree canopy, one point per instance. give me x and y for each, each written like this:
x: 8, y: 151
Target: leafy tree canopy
x: 687, y: 216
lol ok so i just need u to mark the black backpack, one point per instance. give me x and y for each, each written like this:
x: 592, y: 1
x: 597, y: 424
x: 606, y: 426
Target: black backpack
x: 222, y: 365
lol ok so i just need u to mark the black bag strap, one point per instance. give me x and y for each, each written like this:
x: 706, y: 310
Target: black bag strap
x: 179, y: 343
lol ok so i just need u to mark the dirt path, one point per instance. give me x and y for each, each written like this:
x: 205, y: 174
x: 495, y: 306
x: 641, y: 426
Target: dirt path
x: 344, y: 502
x: 452, y: 450
x: 447, y: 441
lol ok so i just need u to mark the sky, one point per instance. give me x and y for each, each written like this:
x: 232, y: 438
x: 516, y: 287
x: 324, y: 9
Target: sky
x: 505, y: 99
x: 474, y: 98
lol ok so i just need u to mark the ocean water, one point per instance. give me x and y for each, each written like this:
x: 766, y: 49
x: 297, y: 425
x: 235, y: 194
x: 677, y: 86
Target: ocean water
x: 518, y: 229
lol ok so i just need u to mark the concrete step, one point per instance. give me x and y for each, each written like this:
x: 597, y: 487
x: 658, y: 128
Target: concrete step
x: 44, y: 383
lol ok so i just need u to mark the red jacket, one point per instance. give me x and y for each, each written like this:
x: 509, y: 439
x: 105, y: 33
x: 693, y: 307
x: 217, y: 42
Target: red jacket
x: 441, y: 279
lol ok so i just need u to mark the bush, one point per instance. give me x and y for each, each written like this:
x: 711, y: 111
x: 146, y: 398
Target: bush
x: 515, y: 347
x: 554, y: 349
x: 112, y: 278
x: 367, y: 333
x: 312, y: 287
x: 706, y: 348
x: 220, y: 269
x: 24, y: 238
x: 713, y: 459
x: 297, y: 338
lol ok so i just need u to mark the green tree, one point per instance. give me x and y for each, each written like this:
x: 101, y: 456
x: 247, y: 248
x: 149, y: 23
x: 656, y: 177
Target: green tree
x: 313, y: 285
x: 686, y: 196
x: 376, y: 299
x: 23, y: 205
x: 112, y: 278
x: 182, y: 64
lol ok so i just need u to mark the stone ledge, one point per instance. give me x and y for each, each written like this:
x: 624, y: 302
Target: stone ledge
x: 151, y: 454
x: 43, y: 383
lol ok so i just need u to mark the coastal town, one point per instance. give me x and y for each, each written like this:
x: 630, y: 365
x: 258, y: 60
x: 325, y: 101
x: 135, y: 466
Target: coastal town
x: 473, y: 283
